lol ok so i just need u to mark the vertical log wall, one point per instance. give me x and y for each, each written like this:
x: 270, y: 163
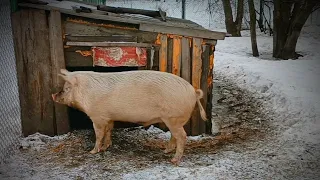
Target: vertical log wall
x: 192, y: 59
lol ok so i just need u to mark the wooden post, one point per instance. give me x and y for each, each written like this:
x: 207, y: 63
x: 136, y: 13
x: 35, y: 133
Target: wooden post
x: 163, y: 53
x: 210, y: 87
x: 196, y: 79
x: 170, y: 55
x: 31, y: 37
x: 186, y: 70
x: 204, y: 84
x: 163, y: 62
x: 176, y: 57
x: 57, y: 63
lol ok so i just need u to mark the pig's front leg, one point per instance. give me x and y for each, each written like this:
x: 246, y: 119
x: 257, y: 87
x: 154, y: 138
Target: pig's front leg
x: 107, y: 136
x: 99, y: 130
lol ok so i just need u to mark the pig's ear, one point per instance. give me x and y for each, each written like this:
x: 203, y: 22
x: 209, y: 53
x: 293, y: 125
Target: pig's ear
x: 64, y: 71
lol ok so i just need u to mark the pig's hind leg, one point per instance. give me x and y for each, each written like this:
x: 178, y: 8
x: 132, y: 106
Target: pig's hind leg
x: 99, y: 130
x: 175, y: 126
x: 171, y: 146
x: 107, y: 136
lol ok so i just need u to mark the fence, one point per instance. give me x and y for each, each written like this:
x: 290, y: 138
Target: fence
x: 10, y: 124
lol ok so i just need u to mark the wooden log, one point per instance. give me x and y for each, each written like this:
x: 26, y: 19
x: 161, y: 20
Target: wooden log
x: 210, y: 87
x: 57, y: 63
x: 84, y: 28
x: 112, y: 38
x: 196, y: 79
x: 163, y: 53
x: 122, y: 10
x: 163, y: 62
x: 170, y: 55
x: 109, y: 44
x: 204, y: 84
x: 34, y: 72
x: 186, y: 70
x: 176, y: 56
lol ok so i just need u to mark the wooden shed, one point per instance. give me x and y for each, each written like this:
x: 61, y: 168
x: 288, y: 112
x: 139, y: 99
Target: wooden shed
x: 75, y: 36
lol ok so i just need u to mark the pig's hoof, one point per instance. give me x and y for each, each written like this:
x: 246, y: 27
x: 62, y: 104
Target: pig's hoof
x: 175, y: 161
x: 168, y: 150
x: 105, y: 147
x: 93, y: 151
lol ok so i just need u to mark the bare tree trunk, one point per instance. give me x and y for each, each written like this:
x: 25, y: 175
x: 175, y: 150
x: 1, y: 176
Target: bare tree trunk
x: 260, y: 21
x: 288, y: 23
x: 232, y: 27
x: 253, y: 28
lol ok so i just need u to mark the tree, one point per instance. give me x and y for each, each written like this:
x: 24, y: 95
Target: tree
x: 253, y: 35
x: 289, y: 18
x: 233, y: 27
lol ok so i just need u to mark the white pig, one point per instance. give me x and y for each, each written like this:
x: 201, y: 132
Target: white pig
x: 144, y: 97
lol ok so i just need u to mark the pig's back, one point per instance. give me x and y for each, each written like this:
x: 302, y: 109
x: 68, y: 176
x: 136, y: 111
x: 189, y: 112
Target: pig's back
x: 152, y: 94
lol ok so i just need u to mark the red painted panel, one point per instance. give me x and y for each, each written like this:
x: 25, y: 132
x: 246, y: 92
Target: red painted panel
x: 119, y: 56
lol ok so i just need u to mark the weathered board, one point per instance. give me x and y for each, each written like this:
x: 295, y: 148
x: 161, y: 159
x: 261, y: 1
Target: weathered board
x: 196, y: 80
x: 186, y: 69
x: 34, y: 74
x: 176, y: 57
x: 204, y: 83
x: 119, y: 56
x: 57, y: 62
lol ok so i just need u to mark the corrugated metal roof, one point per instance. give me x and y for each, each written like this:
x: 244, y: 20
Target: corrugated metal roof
x: 171, y: 25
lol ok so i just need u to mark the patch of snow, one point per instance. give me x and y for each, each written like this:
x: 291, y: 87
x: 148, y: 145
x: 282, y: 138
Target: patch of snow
x: 39, y: 141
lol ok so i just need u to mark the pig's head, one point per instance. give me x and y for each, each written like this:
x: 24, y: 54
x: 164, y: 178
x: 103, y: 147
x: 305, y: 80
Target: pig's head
x: 66, y: 95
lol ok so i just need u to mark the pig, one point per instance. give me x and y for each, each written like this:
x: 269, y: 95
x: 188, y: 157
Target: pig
x: 143, y: 97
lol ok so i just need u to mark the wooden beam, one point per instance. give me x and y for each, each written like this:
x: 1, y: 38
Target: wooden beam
x: 108, y: 44
x: 89, y: 29
x: 112, y: 38
x: 170, y: 55
x: 204, y: 84
x: 198, y: 33
x: 196, y: 80
x: 210, y: 87
x: 34, y: 71
x: 186, y: 70
x: 163, y: 53
x: 176, y: 59
x: 57, y: 63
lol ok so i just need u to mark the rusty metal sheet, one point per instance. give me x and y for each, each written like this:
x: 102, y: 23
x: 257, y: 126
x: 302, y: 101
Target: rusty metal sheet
x: 119, y: 56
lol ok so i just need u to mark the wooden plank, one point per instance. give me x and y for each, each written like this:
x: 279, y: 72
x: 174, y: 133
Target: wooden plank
x: 198, y: 33
x: 57, y: 63
x: 204, y: 84
x: 163, y: 53
x: 34, y: 71
x: 112, y: 38
x: 196, y: 79
x: 75, y: 59
x: 186, y: 70
x: 90, y: 29
x: 109, y: 44
x: 210, y: 87
x: 176, y: 59
x: 28, y: 127
x: 169, y: 55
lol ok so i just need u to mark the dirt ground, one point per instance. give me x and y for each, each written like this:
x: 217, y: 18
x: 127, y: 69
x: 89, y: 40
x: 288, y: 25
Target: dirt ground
x: 141, y: 149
